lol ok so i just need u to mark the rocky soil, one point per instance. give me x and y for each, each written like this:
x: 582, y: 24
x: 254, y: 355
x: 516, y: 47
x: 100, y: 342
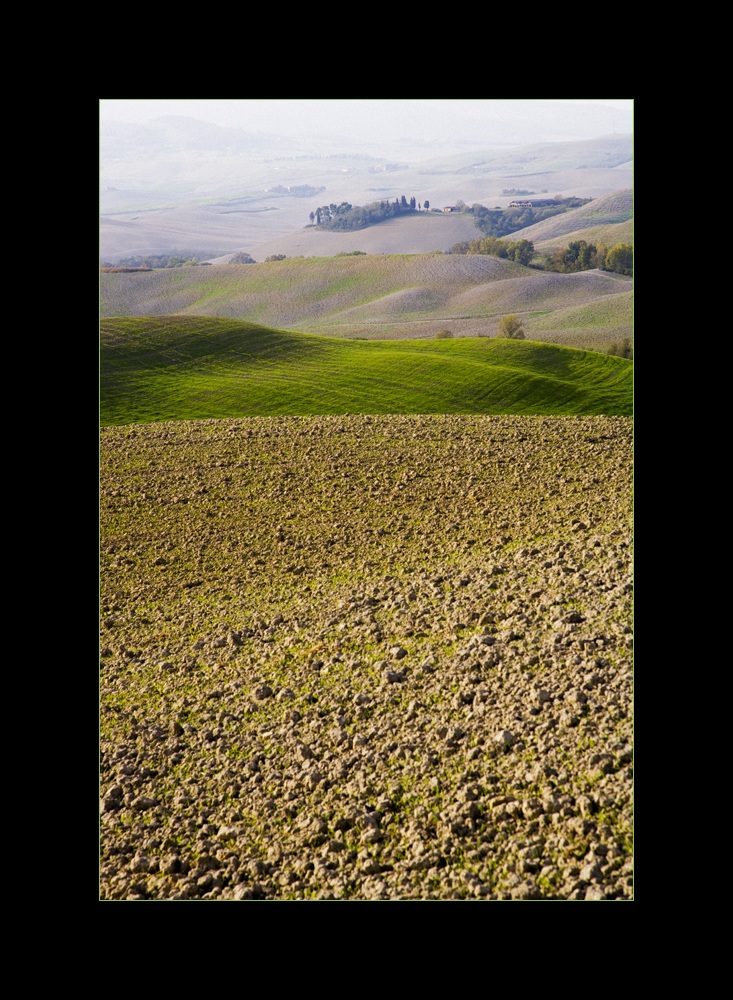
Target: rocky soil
x: 366, y: 658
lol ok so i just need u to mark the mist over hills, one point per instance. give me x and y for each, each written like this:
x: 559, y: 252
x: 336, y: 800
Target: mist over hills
x: 608, y: 218
x: 177, y: 184
x: 130, y: 132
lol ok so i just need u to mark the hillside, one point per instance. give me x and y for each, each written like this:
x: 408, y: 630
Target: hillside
x: 173, y: 368
x: 365, y: 567
x: 612, y: 214
x: 423, y: 233
x: 379, y: 296
x: 611, y: 234
x: 608, y: 320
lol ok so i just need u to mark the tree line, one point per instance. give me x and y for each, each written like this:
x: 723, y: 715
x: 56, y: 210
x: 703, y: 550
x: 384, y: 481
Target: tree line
x: 521, y: 251
x: 504, y: 221
x: 346, y: 216
x: 495, y: 222
x: 577, y: 256
x: 151, y: 261
x: 582, y: 256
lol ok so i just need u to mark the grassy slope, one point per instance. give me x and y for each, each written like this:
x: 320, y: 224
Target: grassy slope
x: 171, y: 368
x: 294, y: 290
x: 620, y: 232
x: 379, y: 296
x: 596, y: 323
x: 617, y: 311
x: 609, y: 219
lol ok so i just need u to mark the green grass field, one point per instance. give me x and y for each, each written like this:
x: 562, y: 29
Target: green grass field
x: 186, y: 367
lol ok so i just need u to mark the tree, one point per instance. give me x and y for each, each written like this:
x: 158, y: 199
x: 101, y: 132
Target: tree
x: 521, y: 252
x: 426, y: 205
x: 511, y: 327
x: 620, y: 259
x: 577, y: 256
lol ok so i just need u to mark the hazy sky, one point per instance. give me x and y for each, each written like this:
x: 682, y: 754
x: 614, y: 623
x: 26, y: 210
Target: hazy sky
x: 353, y: 115
x: 222, y: 111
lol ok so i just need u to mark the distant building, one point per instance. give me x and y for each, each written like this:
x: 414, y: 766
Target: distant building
x: 450, y: 208
x: 537, y: 203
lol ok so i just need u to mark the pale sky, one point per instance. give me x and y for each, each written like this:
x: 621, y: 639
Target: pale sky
x: 296, y: 114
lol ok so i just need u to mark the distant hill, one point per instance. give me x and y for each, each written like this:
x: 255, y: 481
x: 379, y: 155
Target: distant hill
x: 425, y: 232
x: 236, y: 197
x: 384, y: 296
x: 619, y: 232
x: 612, y: 214
x: 182, y: 368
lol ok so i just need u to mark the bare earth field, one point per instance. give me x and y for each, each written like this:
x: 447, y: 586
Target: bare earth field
x: 367, y: 658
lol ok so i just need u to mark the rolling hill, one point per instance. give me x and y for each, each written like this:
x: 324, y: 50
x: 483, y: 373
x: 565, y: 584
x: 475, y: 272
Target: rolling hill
x: 218, y: 200
x: 425, y: 232
x: 609, y: 219
x: 383, y: 296
x: 186, y: 367
x: 366, y: 598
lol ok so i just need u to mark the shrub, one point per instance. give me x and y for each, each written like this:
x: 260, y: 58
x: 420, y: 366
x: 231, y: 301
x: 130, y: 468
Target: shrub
x: 622, y: 350
x: 511, y: 327
x: 443, y: 334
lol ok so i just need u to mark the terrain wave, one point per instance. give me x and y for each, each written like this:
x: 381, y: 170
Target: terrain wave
x: 369, y: 296
x: 164, y: 368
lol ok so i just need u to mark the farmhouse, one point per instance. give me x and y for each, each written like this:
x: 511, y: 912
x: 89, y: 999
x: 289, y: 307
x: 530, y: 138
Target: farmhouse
x: 450, y: 208
x: 537, y: 203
